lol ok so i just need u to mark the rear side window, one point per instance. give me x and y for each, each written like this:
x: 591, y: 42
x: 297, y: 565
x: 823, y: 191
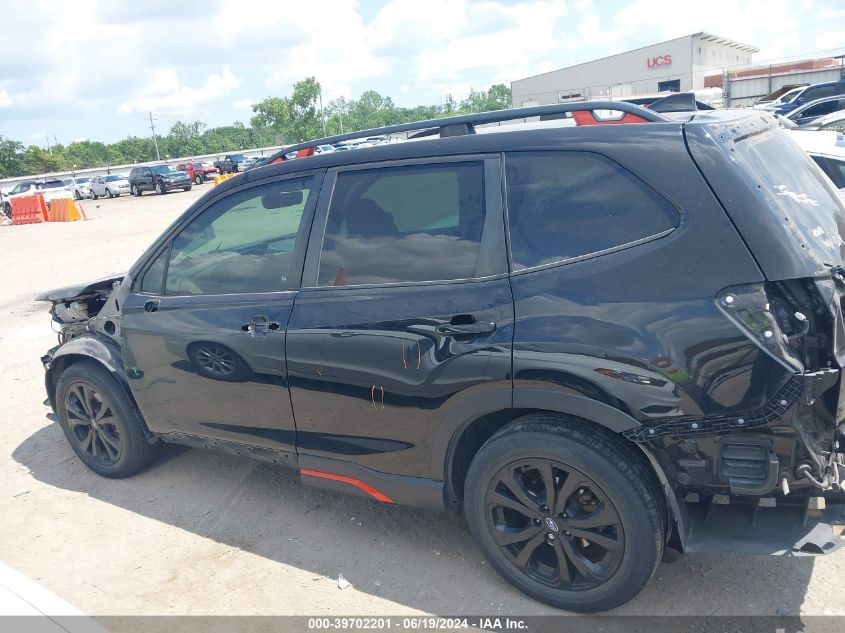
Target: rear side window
x: 563, y: 205
x: 404, y: 224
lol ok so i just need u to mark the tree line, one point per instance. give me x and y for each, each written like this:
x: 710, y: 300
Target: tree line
x: 276, y: 121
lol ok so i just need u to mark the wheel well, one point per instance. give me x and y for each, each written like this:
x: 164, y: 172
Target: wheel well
x: 477, y: 432
x: 61, y: 363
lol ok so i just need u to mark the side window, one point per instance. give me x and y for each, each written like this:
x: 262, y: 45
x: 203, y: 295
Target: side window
x: 154, y: 277
x: 568, y: 204
x: 400, y: 224
x: 811, y: 94
x: 242, y: 243
x: 819, y: 109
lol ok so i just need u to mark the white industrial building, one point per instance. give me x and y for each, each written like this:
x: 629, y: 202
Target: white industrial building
x: 677, y: 65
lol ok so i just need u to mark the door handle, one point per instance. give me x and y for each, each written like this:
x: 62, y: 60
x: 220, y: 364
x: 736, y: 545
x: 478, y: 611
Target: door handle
x: 259, y: 326
x: 151, y: 305
x: 462, y: 326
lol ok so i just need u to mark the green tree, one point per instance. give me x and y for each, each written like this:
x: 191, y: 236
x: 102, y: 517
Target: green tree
x: 185, y: 139
x: 10, y: 157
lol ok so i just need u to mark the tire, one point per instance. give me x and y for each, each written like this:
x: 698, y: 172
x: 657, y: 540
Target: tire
x: 615, y: 496
x: 188, y: 188
x: 76, y: 195
x: 109, y: 194
x: 94, y: 196
x: 133, y: 189
x: 118, y: 445
x: 160, y: 190
x: 199, y: 179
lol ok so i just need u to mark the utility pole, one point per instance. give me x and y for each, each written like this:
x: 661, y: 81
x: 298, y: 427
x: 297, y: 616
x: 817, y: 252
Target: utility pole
x: 155, y: 140
x: 49, y: 149
x: 322, y: 118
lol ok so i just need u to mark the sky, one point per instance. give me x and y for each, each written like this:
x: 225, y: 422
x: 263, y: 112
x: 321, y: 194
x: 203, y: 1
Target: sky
x: 94, y: 69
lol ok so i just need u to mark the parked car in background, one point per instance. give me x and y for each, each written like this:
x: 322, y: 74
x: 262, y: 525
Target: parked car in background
x: 765, y: 103
x: 833, y: 122
x: 503, y: 324
x: 813, y: 110
x: 827, y: 149
x: 50, y: 189
x: 810, y: 93
x: 110, y: 186
x: 199, y: 171
x: 230, y: 164
x: 80, y: 187
x: 247, y: 163
x: 323, y: 149
x: 158, y: 178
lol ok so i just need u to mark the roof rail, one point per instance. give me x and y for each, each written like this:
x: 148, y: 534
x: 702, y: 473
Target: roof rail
x: 465, y: 123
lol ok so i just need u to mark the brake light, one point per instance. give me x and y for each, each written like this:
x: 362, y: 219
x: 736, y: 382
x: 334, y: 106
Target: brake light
x: 749, y: 308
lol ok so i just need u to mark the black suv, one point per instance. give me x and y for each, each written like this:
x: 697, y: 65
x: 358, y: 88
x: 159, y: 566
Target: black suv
x: 603, y: 343
x: 158, y: 178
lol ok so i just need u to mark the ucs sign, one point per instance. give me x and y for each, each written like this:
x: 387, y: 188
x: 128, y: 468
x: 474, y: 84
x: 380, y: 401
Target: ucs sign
x: 660, y: 60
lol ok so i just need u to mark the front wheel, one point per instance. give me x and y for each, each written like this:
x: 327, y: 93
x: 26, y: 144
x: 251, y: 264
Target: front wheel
x: 109, y: 194
x: 570, y: 515
x: 94, y: 196
x: 133, y: 189
x: 100, y: 422
x: 160, y: 190
x: 76, y: 195
x: 188, y: 188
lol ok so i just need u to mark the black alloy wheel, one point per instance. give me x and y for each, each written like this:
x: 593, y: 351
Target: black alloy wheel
x: 93, y: 423
x: 555, y: 524
x: 567, y: 512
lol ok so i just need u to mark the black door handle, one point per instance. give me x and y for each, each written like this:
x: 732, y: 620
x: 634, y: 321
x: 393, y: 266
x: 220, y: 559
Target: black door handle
x: 465, y: 328
x: 151, y: 305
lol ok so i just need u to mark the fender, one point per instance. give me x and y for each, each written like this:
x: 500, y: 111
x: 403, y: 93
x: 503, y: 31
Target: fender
x: 502, y: 397
x: 573, y: 404
x: 94, y: 346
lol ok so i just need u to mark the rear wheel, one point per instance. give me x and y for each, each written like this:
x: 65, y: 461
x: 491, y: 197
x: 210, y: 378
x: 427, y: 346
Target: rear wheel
x: 199, y: 179
x: 566, y: 513
x: 100, y: 422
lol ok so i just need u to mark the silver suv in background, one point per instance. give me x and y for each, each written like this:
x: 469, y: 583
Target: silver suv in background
x: 110, y: 186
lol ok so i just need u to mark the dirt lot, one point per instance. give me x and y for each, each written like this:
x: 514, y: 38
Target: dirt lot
x: 206, y: 534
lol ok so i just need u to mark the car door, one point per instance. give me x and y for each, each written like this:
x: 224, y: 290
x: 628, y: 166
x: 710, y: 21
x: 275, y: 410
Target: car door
x: 146, y: 181
x: 405, y: 310
x: 204, y: 324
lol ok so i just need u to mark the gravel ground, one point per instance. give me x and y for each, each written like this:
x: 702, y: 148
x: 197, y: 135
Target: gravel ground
x: 201, y: 533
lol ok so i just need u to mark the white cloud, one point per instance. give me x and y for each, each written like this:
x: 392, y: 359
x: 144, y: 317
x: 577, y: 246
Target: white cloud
x: 242, y: 104
x: 165, y: 94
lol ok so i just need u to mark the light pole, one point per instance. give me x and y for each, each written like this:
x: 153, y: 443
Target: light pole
x: 322, y: 118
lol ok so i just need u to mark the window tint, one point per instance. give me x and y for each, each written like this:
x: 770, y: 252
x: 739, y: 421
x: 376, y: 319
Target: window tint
x: 242, y: 243
x: 567, y: 204
x: 396, y: 224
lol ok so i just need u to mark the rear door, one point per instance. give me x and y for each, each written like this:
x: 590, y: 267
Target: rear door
x: 204, y: 324
x: 405, y: 309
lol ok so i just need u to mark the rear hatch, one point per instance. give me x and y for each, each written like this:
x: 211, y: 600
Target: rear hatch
x: 787, y: 211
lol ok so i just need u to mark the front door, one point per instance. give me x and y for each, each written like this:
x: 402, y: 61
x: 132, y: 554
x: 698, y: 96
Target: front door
x: 409, y: 308
x: 204, y: 325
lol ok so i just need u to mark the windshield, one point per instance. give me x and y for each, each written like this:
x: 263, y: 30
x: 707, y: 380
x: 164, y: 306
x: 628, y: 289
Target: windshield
x: 82, y: 181
x: 788, y: 96
x: 51, y: 184
x: 112, y: 178
x: 161, y: 169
